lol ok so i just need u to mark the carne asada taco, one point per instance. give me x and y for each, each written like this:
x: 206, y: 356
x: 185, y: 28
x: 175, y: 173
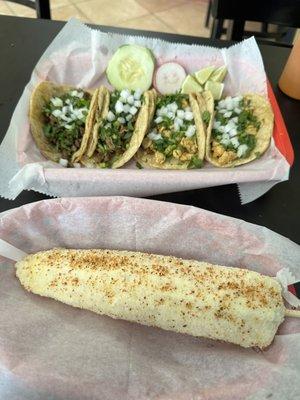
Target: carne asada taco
x: 240, y: 132
x: 177, y: 134
x: 122, y: 119
x: 61, y: 119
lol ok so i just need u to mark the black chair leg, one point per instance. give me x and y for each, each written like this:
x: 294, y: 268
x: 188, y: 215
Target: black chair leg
x: 235, y: 30
x: 264, y: 27
x: 208, y: 11
x: 217, y: 29
x: 289, y: 36
x: 43, y: 9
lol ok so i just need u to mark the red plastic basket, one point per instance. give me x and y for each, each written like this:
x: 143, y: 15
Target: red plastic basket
x: 280, y: 133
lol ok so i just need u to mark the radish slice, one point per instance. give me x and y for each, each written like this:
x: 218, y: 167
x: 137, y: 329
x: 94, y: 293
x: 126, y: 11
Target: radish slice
x: 169, y: 78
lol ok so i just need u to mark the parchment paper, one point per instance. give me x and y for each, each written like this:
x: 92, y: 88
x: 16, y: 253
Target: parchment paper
x: 49, y: 350
x: 79, y: 56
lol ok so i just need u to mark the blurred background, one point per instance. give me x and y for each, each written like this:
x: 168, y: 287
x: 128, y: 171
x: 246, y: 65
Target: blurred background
x: 176, y: 16
x: 274, y: 20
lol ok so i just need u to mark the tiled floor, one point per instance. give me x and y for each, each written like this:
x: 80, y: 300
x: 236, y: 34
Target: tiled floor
x: 177, y: 16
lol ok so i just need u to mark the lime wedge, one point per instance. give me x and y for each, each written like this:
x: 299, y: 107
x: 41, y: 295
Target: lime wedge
x: 190, y: 85
x: 216, y: 89
x: 219, y: 74
x: 204, y: 73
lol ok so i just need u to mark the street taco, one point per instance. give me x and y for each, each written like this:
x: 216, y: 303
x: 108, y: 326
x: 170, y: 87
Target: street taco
x: 122, y: 119
x: 176, y: 139
x: 61, y: 119
x: 240, y: 131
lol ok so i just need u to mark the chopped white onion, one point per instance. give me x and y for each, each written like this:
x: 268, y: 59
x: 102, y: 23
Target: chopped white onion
x: 66, y: 119
x: 190, y: 131
x: 180, y: 114
x: 176, y: 127
x: 188, y: 116
x: 227, y: 114
x: 76, y: 93
x: 110, y: 116
x: 69, y: 127
x: 225, y: 139
x: 232, y: 132
x: 133, y: 110
x: 158, y: 120
x: 79, y: 114
x: 216, y: 124
x: 170, y: 115
x: 229, y: 105
x: 221, y: 104
x: 235, y: 142
x: 235, y: 120
x: 57, y: 102
x: 65, y: 109
x: 125, y: 93
x: 154, y: 136
x: 137, y: 94
x: 121, y: 120
x: 231, y: 124
x: 242, y: 150
x: 237, y: 110
x: 128, y: 117
x: 130, y: 99
x: 107, y: 126
x: 126, y: 108
x: 173, y: 107
x: 238, y: 98
x: 119, y: 107
x: 73, y: 117
x: 227, y: 128
x: 57, y: 113
x: 187, y: 109
x: 63, y: 162
x: 163, y: 111
x: 178, y: 121
x: 137, y: 103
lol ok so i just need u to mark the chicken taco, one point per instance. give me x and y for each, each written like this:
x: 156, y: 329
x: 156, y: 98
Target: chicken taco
x: 61, y: 119
x: 240, y: 131
x: 122, y: 119
x: 177, y: 135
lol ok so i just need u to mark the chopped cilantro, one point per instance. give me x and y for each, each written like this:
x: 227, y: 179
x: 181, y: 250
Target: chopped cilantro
x: 206, y: 117
x: 171, y: 98
x: 195, y: 162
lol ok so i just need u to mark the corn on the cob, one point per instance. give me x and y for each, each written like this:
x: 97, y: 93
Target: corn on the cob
x: 197, y: 298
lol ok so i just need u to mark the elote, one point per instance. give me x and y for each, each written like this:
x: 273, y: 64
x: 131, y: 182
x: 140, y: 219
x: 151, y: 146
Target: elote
x: 229, y: 304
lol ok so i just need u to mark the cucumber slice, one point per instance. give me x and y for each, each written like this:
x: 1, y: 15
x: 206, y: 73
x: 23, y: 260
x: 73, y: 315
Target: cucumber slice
x: 131, y: 67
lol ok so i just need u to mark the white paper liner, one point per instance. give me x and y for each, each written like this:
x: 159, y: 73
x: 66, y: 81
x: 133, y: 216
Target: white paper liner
x: 286, y: 278
x: 78, y: 56
x: 49, y: 350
